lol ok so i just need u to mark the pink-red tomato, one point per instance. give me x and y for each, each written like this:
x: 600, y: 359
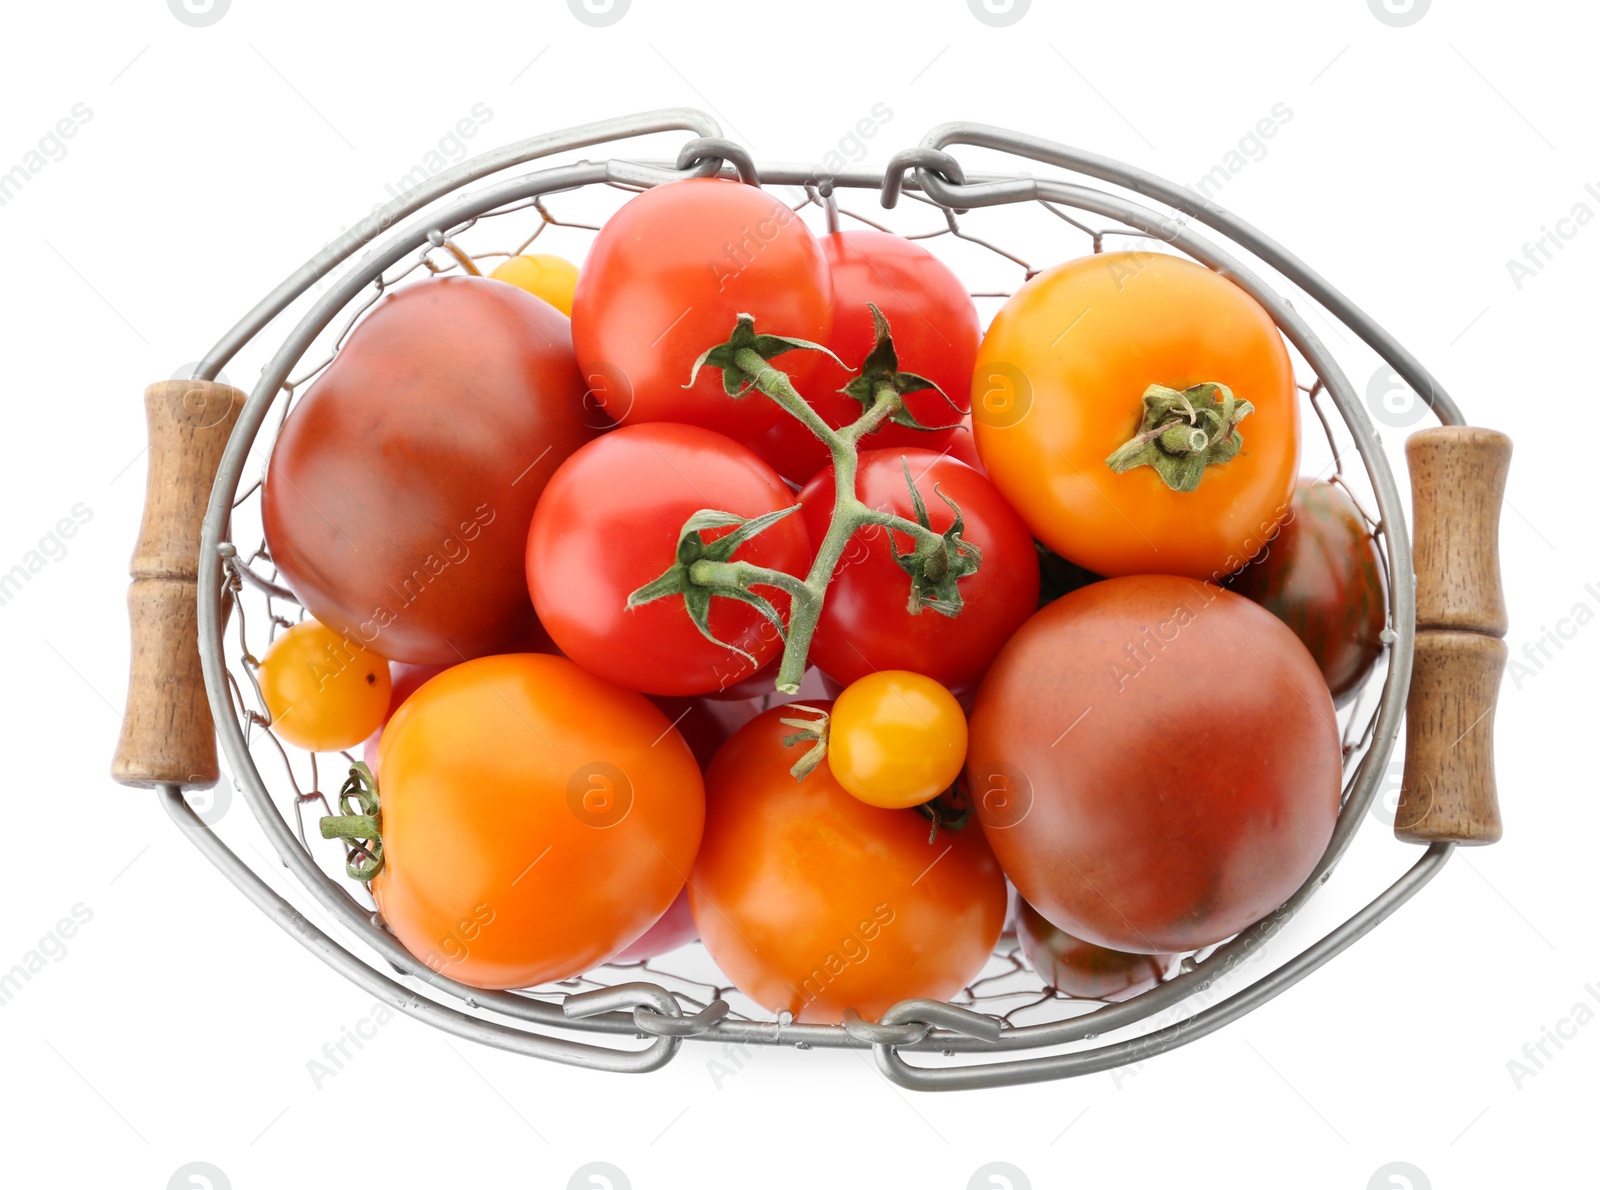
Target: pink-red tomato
x: 673, y: 929
x: 865, y: 624
x: 609, y: 523
x: 666, y: 279
x: 936, y: 334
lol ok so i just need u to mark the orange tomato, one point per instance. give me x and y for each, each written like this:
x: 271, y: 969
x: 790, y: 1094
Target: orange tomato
x: 1059, y: 386
x: 813, y: 902
x: 535, y: 820
x: 323, y: 691
x: 896, y: 739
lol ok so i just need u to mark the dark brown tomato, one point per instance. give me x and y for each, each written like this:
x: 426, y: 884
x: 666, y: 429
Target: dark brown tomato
x: 1323, y: 577
x: 1082, y: 969
x: 399, y: 492
x: 1156, y: 763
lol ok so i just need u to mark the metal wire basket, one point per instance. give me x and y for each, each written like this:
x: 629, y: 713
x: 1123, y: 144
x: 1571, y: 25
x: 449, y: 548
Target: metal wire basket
x: 1090, y: 203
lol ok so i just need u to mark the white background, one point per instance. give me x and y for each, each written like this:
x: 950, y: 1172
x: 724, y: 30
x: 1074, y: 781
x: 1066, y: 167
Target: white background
x: 178, y: 1025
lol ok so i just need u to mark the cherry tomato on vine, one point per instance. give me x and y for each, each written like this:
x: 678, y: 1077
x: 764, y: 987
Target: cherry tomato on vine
x: 813, y: 902
x: 323, y: 692
x: 865, y: 624
x: 936, y: 334
x: 543, y: 275
x: 1156, y: 763
x: 896, y: 739
x: 1323, y: 577
x: 665, y: 280
x: 1059, y: 386
x: 609, y: 523
x: 536, y: 820
x: 1082, y: 969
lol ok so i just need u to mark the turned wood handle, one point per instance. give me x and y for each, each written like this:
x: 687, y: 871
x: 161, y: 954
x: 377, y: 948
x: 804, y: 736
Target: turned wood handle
x: 1458, y: 481
x: 167, y: 734
x: 1448, y: 792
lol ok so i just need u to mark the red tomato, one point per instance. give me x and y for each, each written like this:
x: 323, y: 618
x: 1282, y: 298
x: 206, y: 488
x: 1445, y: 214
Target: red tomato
x: 865, y: 625
x: 665, y: 280
x: 609, y: 523
x: 964, y: 447
x: 936, y: 335
x: 398, y: 495
x: 814, y: 902
x: 1156, y: 763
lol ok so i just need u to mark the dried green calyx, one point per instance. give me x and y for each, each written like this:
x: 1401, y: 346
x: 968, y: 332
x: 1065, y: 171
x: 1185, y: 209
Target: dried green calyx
x: 1183, y: 433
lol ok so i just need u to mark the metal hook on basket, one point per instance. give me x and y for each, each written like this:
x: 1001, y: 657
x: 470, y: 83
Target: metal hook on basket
x: 940, y: 164
x: 657, y: 1025
x: 716, y: 148
x: 938, y: 1014
x: 875, y: 1034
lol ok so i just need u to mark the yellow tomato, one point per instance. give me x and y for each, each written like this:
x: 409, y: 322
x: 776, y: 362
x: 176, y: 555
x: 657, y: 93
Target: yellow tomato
x: 896, y: 739
x: 544, y: 276
x: 324, y: 692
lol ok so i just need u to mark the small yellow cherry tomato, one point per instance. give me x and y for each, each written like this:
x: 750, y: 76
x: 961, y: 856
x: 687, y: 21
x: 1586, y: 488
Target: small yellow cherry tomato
x: 324, y: 692
x: 544, y: 276
x: 896, y: 739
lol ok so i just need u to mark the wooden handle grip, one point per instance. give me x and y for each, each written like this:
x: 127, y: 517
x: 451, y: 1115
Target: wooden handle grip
x: 168, y: 737
x: 1448, y: 793
x: 1458, y: 481
x: 1448, y: 790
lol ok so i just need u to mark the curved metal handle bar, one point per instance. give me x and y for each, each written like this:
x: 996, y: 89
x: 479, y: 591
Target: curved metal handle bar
x: 1057, y: 1066
x: 671, y: 119
x: 1140, y: 181
x: 470, y: 1028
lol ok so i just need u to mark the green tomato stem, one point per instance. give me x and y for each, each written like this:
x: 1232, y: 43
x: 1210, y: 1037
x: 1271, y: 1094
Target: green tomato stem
x: 850, y: 515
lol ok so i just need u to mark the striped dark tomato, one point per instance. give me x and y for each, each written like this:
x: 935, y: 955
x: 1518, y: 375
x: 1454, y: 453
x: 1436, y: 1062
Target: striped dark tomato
x: 1322, y: 576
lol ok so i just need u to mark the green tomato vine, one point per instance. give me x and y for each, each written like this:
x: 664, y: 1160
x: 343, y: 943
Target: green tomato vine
x: 703, y: 570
